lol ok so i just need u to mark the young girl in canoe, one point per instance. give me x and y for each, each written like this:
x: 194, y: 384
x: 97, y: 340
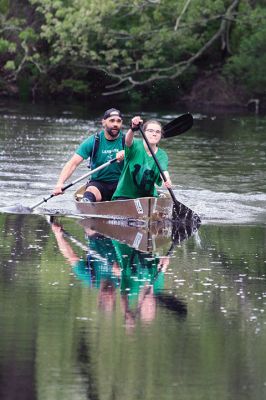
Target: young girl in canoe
x: 140, y: 173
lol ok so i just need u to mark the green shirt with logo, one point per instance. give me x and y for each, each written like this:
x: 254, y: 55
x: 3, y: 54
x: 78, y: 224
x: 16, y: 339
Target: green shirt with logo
x: 138, y: 270
x: 140, y: 172
x: 106, y: 151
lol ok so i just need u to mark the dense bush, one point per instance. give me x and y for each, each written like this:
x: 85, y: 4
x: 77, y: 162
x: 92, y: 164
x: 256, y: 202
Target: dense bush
x: 89, y: 48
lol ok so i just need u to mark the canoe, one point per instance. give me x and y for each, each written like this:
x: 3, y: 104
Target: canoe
x: 139, y: 210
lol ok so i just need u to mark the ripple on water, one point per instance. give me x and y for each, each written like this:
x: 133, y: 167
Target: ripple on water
x: 219, y: 207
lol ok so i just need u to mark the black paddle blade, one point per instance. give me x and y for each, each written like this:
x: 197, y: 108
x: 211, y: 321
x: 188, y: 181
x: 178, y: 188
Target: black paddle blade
x: 172, y: 303
x: 183, y: 214
x: 178, y: 125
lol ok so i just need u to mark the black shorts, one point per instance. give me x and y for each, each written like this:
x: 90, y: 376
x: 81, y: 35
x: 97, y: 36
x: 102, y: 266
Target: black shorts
x: 123, y: 198
x: 106, y: 189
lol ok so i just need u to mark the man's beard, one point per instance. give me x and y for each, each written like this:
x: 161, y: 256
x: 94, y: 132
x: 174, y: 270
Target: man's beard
x: 111, y: 133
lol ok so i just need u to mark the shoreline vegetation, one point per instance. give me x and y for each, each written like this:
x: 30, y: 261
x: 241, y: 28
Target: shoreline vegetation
x: 195, y: 53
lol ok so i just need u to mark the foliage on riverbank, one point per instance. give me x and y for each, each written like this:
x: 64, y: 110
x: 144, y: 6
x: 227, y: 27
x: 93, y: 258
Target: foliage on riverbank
x: 139, y: 50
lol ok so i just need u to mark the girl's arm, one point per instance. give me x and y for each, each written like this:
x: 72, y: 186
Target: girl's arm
x: 168, y: 182
x: 135, y: 122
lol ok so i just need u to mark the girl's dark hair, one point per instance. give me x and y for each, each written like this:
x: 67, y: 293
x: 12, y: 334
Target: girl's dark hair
x: 153, y: 121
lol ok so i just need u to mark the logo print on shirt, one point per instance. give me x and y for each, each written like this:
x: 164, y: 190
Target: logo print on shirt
x: 143, y: 177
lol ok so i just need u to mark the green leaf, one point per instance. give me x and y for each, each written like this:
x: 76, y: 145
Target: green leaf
x: 10, y: 65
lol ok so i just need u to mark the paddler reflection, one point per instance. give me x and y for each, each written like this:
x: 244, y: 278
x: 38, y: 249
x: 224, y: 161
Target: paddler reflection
x: 122, y: 274
x: 142, y: 278
x: 98, y: 269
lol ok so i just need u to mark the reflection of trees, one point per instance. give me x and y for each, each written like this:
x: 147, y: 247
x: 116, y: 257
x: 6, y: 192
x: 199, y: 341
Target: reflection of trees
x: 241, y: 264
x: 14, y: 385
x: 228, y: 272
x: 56, y: 336
x: 87, y: 368
x: 22, y: 235
x: 20, y: 240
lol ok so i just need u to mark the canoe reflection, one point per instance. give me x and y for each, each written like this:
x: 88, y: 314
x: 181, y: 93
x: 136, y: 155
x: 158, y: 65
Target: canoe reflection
x: 112, y: 265
x: 147, y: 238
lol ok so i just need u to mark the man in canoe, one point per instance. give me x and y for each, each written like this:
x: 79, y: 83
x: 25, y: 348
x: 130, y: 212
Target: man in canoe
x: 140, y: 173
x: 100, y: 148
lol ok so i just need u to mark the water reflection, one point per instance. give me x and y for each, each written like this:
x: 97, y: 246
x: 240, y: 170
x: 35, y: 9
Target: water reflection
x: 78, y: 328
x: 110, y: 265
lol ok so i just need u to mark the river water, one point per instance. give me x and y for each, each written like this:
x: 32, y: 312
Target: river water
x: 89, y: 316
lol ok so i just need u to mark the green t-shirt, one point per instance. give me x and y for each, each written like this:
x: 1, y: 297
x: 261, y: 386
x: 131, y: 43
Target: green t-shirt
x: 99, y: 263
x: 140, y: 172
x: 138, y: 269
x: 106, y: 151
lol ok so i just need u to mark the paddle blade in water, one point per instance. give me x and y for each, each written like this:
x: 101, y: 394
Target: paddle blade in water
x: 173, y: 304
x: 184, y: 215
x: 178, y: 125
x: 16, y: 209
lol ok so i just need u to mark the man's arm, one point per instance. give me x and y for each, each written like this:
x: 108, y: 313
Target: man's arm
x: 63, y: 245
x: 66, y: 172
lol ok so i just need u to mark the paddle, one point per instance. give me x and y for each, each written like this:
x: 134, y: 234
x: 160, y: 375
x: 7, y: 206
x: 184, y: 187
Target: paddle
x: 26, y: 210
x: 76, y: 181
x: 178, y: 125
x: 52, y: 221
x: 180, y: 211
